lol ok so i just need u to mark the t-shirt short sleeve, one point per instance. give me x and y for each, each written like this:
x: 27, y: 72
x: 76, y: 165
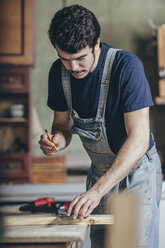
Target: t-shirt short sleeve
x: 56, y: 99
x: 136, y: 92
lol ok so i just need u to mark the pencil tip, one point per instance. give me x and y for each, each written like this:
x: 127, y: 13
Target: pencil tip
x: 46, y: 130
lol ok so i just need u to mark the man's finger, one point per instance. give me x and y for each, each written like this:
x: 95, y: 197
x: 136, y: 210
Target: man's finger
x: 90, y: 209
x: 72, y: 204
x: 80, y: 204
x: 85, y: 208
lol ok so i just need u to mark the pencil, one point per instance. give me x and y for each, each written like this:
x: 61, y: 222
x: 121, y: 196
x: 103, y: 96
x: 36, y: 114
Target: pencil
x: 49, y: 137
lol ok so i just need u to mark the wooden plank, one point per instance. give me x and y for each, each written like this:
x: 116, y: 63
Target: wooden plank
x: 161, y: 59
x: 125, y: 210
x: 161, y: 46
x: 49, y: 175
x: 48, y: 170
x: 43, y: 234
x: 52, y: 220
x: 91, y: 220
x: 42, y: 161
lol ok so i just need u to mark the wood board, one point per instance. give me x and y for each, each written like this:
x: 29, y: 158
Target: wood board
x: 161, y: 46
x: 48, y: 170
x: 16, y: 43
x: 43, y: 234
x: 53, y: 220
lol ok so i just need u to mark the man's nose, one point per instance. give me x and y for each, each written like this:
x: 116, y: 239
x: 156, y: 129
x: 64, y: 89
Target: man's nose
x: 74, y: 65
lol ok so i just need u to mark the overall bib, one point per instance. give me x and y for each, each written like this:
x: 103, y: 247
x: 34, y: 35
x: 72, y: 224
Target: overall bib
x: 92, y: 132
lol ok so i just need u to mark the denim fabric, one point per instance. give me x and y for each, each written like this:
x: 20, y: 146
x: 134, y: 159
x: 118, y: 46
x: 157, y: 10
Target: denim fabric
x: 144, y: 178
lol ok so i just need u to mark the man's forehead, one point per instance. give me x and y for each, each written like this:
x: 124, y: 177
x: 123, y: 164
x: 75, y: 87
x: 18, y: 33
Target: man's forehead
x: 82, y: 52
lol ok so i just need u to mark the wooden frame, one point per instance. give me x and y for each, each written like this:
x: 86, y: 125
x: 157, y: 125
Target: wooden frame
x: 16, y: 43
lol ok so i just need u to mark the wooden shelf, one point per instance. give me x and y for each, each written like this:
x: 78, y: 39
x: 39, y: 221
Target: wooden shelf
x: 160, y: 100
x: 13, y: 120
x: 15, y: 166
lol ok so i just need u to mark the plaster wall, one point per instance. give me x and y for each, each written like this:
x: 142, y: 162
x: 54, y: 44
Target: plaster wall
x: 124, y: 25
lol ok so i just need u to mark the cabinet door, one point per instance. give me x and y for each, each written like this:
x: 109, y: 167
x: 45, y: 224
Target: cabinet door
x: 16, y: 32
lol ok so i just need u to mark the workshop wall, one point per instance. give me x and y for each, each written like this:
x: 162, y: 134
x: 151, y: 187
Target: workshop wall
x: 124, y: 25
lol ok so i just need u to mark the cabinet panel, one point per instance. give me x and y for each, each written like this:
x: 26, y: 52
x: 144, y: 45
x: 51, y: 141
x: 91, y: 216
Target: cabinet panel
x: 16, y: 26
x: 12, y: 42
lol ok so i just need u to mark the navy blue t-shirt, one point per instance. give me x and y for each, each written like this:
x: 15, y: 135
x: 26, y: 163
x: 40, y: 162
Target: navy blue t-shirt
x: 129, y: 91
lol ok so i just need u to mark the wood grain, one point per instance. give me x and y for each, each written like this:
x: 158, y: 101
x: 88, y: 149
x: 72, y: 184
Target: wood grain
x: 52, y: 220
x: 47, y: 170
x: 17, y: 28
x: 161, y: 46
x: 43, y: 234
x: 91, y: 220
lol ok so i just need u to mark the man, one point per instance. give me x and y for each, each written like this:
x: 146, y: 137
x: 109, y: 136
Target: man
x: 102, y: 95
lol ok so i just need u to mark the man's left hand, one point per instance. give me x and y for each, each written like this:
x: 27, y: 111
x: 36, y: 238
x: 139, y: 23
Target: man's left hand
x: 83, y: 204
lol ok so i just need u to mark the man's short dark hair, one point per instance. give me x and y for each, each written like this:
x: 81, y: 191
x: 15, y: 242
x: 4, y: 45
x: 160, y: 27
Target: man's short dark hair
x: 73, y: 28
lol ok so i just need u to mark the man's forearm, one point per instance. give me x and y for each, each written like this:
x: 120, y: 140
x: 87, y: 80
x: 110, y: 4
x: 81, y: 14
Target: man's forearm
x: 129, y: 154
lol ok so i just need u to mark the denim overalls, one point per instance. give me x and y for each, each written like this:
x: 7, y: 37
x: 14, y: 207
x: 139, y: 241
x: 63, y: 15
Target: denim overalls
x: 145, y: 177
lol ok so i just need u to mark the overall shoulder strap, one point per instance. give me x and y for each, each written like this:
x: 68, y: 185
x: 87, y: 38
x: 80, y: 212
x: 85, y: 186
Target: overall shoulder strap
x: 105, y: 81
x: 66, y: 87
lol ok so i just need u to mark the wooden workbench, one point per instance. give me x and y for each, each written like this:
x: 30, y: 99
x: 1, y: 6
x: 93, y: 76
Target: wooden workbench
x: 58, y: 236
x: 40, y: 236
x: 23, y: 230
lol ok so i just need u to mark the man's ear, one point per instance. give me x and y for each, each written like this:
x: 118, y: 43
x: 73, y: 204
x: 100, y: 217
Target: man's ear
x: 97, y: 46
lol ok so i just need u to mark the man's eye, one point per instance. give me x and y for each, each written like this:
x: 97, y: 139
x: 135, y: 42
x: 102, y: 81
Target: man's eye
x: 81, y: 58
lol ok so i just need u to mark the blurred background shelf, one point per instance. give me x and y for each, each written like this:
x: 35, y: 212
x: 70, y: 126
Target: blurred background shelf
x: 160, y: 100
x: 13, y: 120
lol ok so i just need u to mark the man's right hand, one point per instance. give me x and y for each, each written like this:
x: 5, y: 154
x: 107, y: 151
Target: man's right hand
x: 47, y: 146
x: 61, y: 129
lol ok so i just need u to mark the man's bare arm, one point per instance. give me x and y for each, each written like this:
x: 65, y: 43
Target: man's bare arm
x: 136, y: 145
x: 62, y: 125
x: 138, y: 131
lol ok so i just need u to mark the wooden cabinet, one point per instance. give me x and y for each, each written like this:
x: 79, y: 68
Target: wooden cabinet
x: 16, y: 58
x: 15, y: 124
x: 16, y: 39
